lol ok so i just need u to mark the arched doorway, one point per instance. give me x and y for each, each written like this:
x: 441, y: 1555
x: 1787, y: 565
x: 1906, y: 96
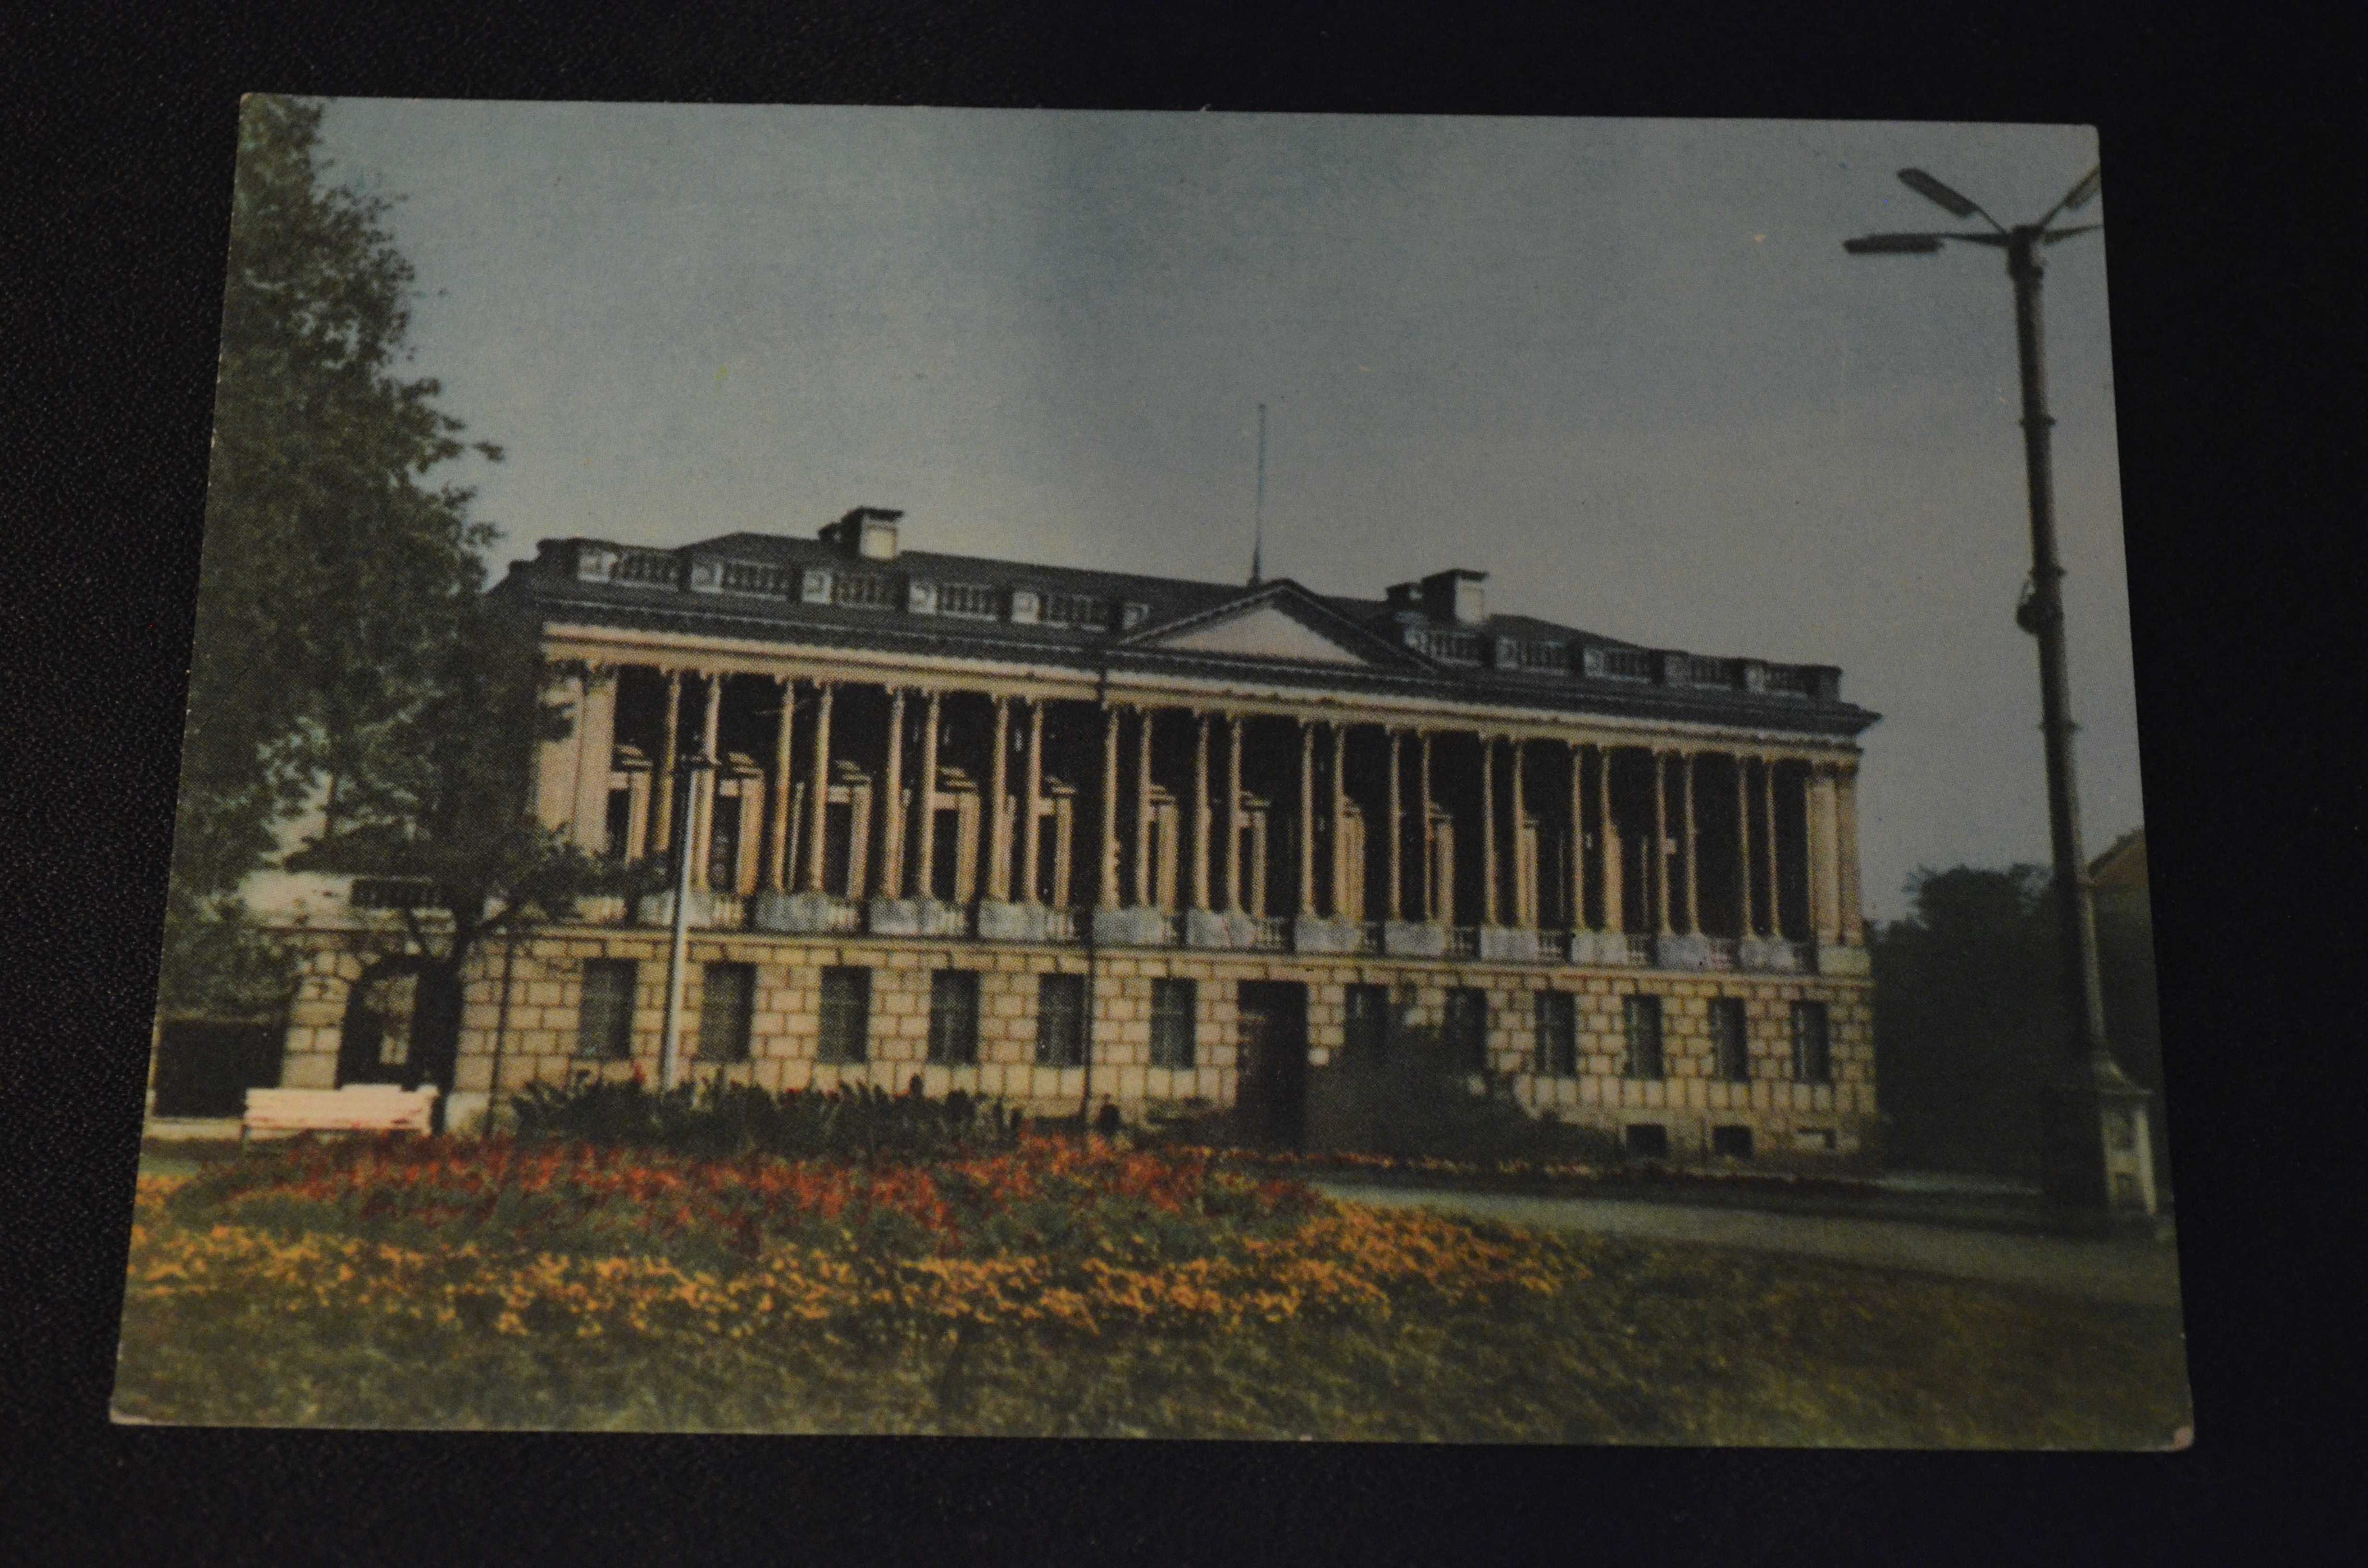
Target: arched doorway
x: 402, y: 1025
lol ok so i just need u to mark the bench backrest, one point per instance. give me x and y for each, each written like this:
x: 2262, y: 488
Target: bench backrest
x: 357, y: 1107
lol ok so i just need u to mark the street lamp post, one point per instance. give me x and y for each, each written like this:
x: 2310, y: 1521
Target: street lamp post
x: 2096, y: 1140
x: 677, y: 948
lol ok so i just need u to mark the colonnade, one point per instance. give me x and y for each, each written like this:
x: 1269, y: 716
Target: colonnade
x: 1195, y: 835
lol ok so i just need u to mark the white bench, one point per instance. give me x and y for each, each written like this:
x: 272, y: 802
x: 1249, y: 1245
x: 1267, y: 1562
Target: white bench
x: 357, y: 1108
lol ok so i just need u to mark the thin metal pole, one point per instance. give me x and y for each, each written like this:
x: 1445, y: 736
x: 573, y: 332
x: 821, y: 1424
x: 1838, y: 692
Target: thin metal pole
x: 670, y: 1043
x: 501, y: 1030
x: 2043, y: 618
x: 1257, y: 537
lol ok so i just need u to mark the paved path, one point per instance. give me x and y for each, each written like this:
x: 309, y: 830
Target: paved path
x: 2141, y: 1272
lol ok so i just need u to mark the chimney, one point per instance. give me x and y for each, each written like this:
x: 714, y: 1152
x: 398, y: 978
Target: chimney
x: 867, y: 531
x: 1456, y: 595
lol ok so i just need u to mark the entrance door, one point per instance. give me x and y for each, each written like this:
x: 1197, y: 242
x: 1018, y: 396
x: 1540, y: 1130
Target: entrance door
x: 205, y: 1069
x: 1270, y: 1092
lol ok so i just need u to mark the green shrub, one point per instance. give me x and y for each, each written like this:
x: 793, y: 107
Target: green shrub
x: 721, y: 1121
x: 1413, y: 1099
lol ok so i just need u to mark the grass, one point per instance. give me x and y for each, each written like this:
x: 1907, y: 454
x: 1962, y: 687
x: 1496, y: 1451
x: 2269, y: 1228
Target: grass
x: 304, y: 1288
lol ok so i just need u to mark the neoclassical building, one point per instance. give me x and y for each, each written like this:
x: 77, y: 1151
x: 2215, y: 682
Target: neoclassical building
x: 1060, y: 835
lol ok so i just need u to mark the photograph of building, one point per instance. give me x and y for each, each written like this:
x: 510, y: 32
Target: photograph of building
x: 885, y: 861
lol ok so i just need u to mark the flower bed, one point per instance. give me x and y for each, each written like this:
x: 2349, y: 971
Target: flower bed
x: 1049, y: 1290
x: 588, y: 1242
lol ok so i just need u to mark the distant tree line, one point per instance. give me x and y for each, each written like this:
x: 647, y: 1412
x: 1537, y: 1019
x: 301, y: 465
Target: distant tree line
x: 1969, y: 1015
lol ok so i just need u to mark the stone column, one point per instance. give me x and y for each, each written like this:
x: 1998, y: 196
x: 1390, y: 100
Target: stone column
x: 998, y: 821
x: 891, y: 882
x: 1824, y: 873
x: 818, y: 805
x: 1032, y: 840
x: 777, y: 858
x: 1846, y: 842
x: 669, y: 749
x: 1432, y: 907
x: 1146, y: 881
x: 595, y: 755
x: 1768, y: 850
x: 637, y: 824
x: 1686, y: 776
x: 1396, y: 908
x: 1234, y: 899
x: 1306, y: 819
x: 1577, y: 892
x: 1340, y: 821
x: 1609, y: 847
x: 1525, y: 881
x: 1109, y: 807
x: 1201, y: 811
x: 925, y: 799
x: 700, y: 830
x: 557, y: 763
x: 1660, y: 883
x: 1488, y: 830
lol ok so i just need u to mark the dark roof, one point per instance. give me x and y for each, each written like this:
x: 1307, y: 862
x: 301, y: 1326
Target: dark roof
x: 1512, y: 659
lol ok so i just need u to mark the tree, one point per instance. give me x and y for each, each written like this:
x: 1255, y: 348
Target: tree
x: 436, y: 797
x: 330, y: 570
x: 1969, y: 1016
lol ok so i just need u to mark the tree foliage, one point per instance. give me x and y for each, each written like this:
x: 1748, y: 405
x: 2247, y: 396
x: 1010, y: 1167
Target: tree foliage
x: 1970, y: 1017
x: 437, y: 795
x: 334, y: 575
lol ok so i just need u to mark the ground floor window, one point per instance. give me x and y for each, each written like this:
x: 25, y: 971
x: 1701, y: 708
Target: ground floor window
x: 1643, y: 1016
x: 1061, y: 1020
x: 1730, y: 1041
x: 1557, y: 1034
x: 1368, y: 1033
x: 846, y: 1015
x: 953, y: 1018
x: 1731, y: 1143
x: 1649, y: 1141
x: 1172, y: 1028
x: 604, y: 1029
x: 1467, y: 1027
x: 727, y: 1006
x: 1813, y: 1053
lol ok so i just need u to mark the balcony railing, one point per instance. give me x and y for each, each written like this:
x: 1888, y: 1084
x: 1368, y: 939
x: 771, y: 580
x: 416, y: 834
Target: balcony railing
x: 846, y: 916
x: 865, y: 591
x: 601, y: 909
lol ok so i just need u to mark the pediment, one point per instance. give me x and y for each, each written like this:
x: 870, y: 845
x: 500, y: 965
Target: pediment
x: 1263, y: 630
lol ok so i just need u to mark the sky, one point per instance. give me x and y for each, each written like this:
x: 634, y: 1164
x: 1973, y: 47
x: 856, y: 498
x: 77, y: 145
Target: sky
x: 1623, y: 366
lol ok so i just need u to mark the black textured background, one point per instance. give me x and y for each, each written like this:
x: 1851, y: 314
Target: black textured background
x: 2237, y: 231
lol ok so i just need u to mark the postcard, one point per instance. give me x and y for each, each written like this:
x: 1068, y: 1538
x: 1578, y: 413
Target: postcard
x: 910, y: 770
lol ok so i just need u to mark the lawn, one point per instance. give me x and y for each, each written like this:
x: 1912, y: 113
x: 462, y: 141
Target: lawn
x: 1046, y: 1289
